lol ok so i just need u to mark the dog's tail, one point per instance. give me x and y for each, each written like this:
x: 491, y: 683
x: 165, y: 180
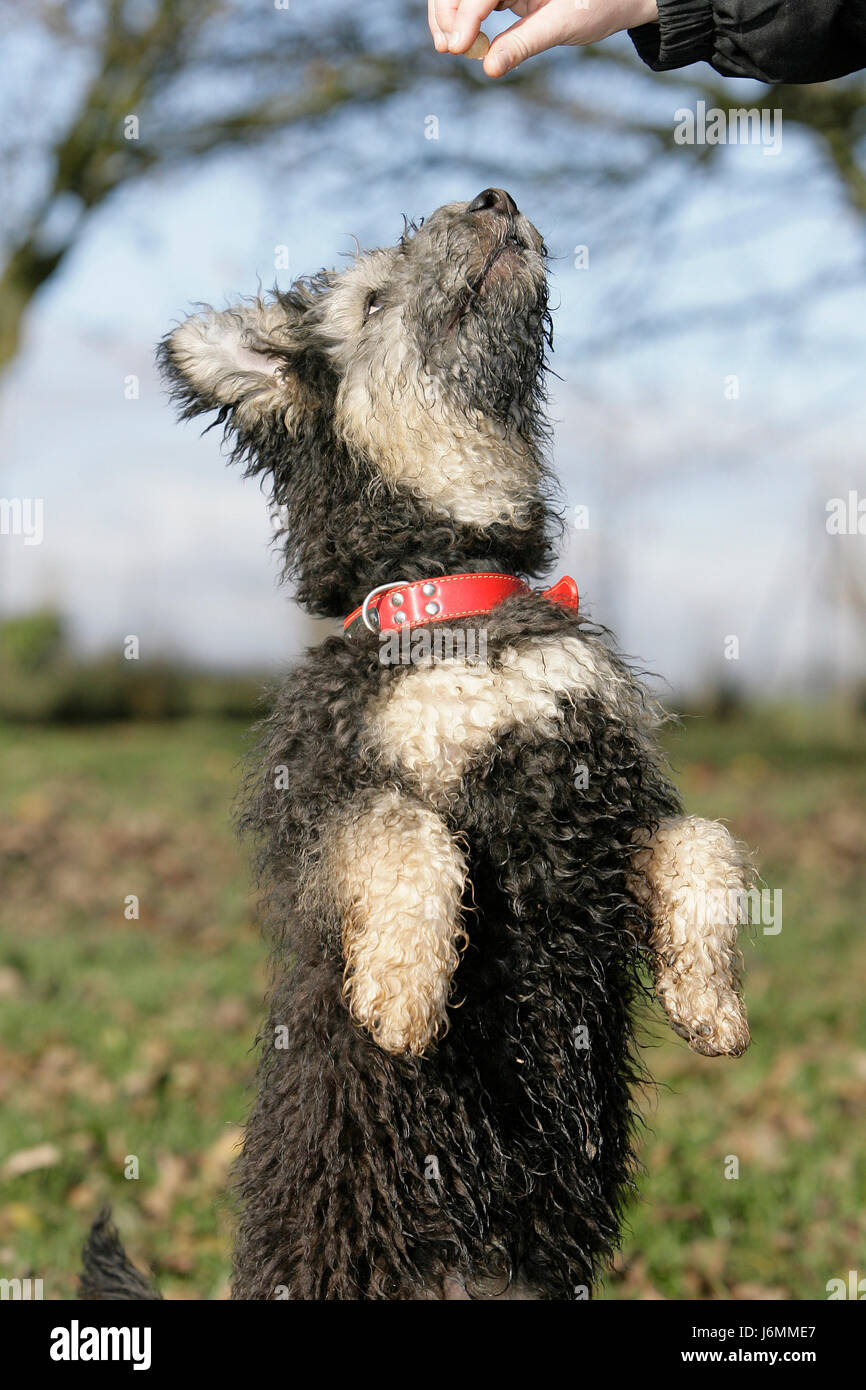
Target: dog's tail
x: 107, y: 1273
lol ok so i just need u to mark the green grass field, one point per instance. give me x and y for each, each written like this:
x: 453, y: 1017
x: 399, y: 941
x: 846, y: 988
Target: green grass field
x: 128, y: 1040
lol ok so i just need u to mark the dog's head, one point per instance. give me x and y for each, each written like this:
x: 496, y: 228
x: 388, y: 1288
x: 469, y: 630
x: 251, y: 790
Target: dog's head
x: 396, y: 405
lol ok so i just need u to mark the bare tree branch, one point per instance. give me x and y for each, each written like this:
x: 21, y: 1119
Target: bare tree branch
x: 177, y: 80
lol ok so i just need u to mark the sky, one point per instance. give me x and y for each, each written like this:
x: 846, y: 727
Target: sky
x: 706, y: 501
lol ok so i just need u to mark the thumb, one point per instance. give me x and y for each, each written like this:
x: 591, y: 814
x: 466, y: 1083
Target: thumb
x: 534, y: 34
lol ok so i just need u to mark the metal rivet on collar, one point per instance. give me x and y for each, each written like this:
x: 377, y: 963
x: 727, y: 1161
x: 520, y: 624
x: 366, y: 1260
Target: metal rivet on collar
x: 431, y: 608
x: 396, y: 599
x: 370, y: 616
x: 428, y: 588
x: 399, y: 617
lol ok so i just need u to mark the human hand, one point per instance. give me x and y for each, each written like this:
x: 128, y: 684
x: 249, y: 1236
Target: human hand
x: 543, y: 24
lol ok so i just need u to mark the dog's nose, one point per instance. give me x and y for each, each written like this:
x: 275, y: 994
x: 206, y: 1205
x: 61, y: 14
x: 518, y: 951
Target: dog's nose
x: 494, y: 200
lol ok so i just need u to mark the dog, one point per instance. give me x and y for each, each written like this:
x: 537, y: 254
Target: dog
x: 469, y: 852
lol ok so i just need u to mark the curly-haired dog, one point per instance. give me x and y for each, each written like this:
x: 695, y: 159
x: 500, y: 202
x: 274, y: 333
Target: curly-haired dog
x: 469, y: 848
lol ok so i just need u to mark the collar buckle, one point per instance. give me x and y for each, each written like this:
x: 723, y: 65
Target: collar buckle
x: 372, y: 621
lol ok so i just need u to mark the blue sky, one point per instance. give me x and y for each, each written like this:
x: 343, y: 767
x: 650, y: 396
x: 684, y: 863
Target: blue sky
x: 707, y: 515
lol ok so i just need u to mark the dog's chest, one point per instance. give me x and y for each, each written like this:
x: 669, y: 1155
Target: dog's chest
x: 435, y: 721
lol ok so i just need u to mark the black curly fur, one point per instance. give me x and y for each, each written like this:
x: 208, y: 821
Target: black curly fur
x: 532, y: 1132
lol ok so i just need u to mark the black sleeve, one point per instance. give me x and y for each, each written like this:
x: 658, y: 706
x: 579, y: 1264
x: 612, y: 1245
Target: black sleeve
x: 773, y: 40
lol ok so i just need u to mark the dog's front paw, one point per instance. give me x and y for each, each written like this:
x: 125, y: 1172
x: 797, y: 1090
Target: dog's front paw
x: 399, y: 1018
x: 399, y: 876
x: 712, y: 1019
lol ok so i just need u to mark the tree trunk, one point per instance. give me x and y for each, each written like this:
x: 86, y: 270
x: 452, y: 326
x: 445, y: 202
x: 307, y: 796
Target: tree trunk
x: 25, y: 272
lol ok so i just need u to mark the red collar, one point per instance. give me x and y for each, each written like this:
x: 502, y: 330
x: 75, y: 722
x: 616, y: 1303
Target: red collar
x: 390, y: 607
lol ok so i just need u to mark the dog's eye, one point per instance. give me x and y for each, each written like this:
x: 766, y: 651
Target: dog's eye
x: 373, y: 305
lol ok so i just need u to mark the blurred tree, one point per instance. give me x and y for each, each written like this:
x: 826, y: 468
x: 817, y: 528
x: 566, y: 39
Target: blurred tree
x: 32, y: 641
x: 100, y: 93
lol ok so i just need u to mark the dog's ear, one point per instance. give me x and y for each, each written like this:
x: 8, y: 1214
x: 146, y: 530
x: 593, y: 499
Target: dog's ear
x: 247, y: 363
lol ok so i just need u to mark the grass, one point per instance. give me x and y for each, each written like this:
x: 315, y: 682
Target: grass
x: 125, y: 1044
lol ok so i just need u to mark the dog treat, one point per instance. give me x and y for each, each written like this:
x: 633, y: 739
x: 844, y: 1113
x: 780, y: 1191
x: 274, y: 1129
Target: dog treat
x: 479, y: 47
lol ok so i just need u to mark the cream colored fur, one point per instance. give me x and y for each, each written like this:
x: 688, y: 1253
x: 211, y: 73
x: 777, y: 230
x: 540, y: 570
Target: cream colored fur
x: 216, y: 353
x: 471, y: 471
x: 392, y: 411
x: 691, y: 875
x: 436, y: 721
x: 399, y: 878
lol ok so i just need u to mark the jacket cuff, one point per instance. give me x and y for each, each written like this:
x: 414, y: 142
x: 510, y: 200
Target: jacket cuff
x: 683, y: 35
